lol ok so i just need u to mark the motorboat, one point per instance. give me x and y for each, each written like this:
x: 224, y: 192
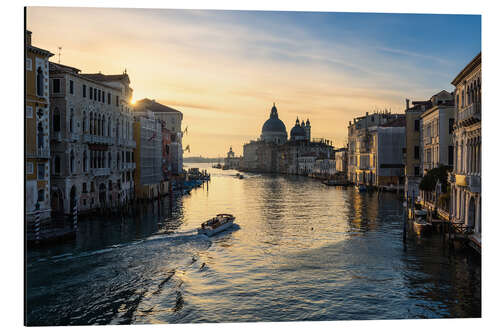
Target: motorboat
x: 361, y: 188
x: 217, y: 224
x: 334, y: 182
x: 420, y: 224
x: 241, y: 176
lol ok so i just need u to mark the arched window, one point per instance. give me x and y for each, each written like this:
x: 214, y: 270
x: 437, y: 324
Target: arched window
x: 57, y: 165
x: 110, y: 185
x: 72, y: 162
x: 103, y: 130
x: 71, y: 119
x: 85, y: 161
x: 117, y: 159
x: 84, y: 123
x: 56, y: 120
x: 109, y: 126
x: 109, y: 159
x: 39, y: 81
x: 98, y: 132
x: 40, y: 135
x: 41, y: 195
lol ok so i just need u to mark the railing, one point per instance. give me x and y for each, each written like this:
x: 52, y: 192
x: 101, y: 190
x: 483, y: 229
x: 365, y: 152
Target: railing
x: 87, y: 138
x: 91, y: 138
x: 101, y: 172
x: 470, y: 111
x: 474, y: 183
x: 131, y: 143
x: 443, y: 213
x: 461, y: 228
x: 39, y: 153
x: 57, y: 136
x: 74, y: 136
x: 129, y: 165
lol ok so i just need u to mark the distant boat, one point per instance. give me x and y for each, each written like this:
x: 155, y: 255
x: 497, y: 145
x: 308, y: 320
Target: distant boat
x: 361, y: 187
x: 334, y: 182
x: 241, y: 176
x: 217, y: 224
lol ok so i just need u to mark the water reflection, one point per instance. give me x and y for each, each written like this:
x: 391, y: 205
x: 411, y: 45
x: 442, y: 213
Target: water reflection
x: 302, y: 251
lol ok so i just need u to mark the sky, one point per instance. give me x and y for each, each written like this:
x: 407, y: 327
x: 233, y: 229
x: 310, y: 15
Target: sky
x: 224, y: 69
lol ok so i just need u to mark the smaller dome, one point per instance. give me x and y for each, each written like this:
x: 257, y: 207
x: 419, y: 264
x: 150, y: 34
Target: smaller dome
x: 297, y: 132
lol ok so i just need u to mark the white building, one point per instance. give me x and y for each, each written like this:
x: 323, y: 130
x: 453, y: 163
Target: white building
x: 91, y: 139
x: 437, y: 128
x: 360, y: 145
x: 465, y: 179
x: 324, y: 168
x: 306, y: 164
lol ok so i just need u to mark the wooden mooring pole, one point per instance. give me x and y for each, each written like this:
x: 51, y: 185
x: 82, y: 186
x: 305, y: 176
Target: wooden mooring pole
x: 37, y: 223
x: 75, y: 217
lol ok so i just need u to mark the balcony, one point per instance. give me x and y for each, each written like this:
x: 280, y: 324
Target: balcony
x: 131, y: 143
x: 469, y: 115
x: 56, y: 136
x: 101, y: 172
x: 39, y: 153
x: 74, y: 136
x: 88, y: 138
x: 474, y: 183
x: 129, y: 165
x: 471, y: 182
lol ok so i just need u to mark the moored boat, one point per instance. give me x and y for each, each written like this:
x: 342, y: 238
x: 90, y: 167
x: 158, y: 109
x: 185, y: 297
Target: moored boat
x: 361, y: 188
x: 217, y: 224
x: 420, y: 224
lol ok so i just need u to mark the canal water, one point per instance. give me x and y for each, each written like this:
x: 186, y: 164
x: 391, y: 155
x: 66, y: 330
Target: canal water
x: 300, y: 251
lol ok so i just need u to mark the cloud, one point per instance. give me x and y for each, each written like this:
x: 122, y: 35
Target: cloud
x: 224, y: 69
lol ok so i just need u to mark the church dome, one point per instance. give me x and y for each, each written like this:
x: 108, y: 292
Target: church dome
x: 274, y: 129
x: 298, y: 132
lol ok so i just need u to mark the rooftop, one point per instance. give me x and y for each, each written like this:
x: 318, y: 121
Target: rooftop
x: 154, y: 106
x: 107, y: 78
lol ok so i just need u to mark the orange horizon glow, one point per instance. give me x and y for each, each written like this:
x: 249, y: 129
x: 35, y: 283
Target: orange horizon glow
x: 223, y: 71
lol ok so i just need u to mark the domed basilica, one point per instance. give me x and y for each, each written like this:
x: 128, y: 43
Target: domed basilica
x: 274, y: 130
x: 275, y: 152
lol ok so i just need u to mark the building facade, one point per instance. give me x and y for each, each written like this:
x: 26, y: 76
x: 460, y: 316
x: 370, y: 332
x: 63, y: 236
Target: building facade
x: 37, y: 124
x: 148, y: 156
x: 362, y: 151
x: 465, y: 179
x: 412, y: 154
x: 171, y: 119
x: 386, y: 163
x: 324, y: 168
x: 231, y: 161
x: 437, y: 128
x: 341, y: 160
x: 91, y: 140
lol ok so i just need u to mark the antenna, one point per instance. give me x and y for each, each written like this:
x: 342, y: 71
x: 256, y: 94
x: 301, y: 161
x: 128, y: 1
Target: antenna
x: 59, y: 48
